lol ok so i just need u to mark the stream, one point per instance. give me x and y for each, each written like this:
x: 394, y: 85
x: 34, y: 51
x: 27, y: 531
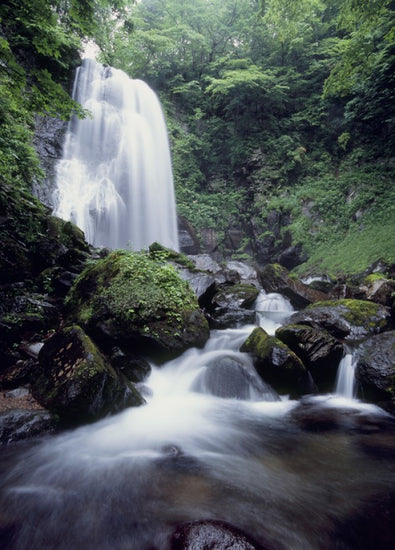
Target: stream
x: 234, y: 452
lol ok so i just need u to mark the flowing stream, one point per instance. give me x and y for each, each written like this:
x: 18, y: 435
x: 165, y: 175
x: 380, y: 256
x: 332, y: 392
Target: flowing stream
x: 198, y: 451
x: 115, y: 178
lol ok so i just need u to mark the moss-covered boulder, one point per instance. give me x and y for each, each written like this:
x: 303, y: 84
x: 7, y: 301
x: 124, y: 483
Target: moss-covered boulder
x: 375, y: 370
x: 139, y: 301
x: 319, y: 351
x: 277, y: 364
x: 75, y: 381
x: 348, y: 319
x: 276, y: 278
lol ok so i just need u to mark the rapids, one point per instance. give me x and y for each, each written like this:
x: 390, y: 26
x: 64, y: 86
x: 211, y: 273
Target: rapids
x: 125, y: 482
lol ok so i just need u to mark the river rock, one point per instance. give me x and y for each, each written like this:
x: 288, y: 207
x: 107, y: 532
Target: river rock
x: 134, y: 300
x: 19, y: 424
x: 231, y: 305
x: 275, y: 278
x: 351, y: 320
x: 229, y: 377
x: 277, y: 364
x: 317, y: 349
x: 381, y: 291
x: 201, y: 535
x: 375, y: 370
x: 75, y: 381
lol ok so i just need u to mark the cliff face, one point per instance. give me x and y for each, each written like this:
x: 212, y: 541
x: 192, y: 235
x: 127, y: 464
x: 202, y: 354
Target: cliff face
x: 48, y: 142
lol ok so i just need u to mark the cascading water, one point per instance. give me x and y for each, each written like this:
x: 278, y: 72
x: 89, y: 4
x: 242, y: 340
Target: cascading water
x: 345, y: 379
x: 115, y: 178
x: 191, y: 453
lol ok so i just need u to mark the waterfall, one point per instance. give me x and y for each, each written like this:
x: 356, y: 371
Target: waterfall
x: 272, y: 309
x: 115, y: 178
x: 345, y: 379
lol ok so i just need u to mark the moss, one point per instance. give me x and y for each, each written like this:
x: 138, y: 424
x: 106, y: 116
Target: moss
x: 130, y: 294
x: 374, y: 277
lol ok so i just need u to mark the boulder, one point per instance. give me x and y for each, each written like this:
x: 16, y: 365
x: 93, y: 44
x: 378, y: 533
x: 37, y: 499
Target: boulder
x: 275, y: 278
x: 205, y: 534
x: 348, y: 319
x: 75, y: 381
x: 230, y: 377
x: 189, y: 242
x: 319, y: 351
x: 381, y: 291
x: 277, y: 364
x: 132, y: 300
x: 375, y: 370
x: 231, y: 305
x: 18, y: 424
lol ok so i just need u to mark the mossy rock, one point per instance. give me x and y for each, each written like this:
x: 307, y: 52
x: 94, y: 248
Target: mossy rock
x: 348, y: 319
x: 276, y: 278
x: 233, y: 296
x: 134, y: 300
x: 75, y: 381
x: 277, y: 364
x: 319, y: 351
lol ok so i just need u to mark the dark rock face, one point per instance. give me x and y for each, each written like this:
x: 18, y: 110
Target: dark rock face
x: 317, y: 349
x: 76, y: 382
x: 292, y: 256
x: 375, y: 370
x: 277, y: 364
x: 189, y: 242
x: 275, y: 278
x: 48, y: 142
x: 18, y: 424
x: 205, y: 535
x: 230, y: 305
x: 381, y: 292
x: 351, y: 320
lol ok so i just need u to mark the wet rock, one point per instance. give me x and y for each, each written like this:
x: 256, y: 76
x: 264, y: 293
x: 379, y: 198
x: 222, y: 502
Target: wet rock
x: 134, y: 300
x: 381, y: 291
x: 134, y: 368
x: 231, y: 305
x: 275, y: 278
x: 17, y: 424
x: 292, y: 256
x: 76, y: 382
x: 375, y: 370
x: 236, y: 296
x: 203, y: 284
x: 229, y: 377
x: 351, y: 320
x: 201, y: 535
x: 319, y: 413
x: 277, y: 364
x: 318, y: 350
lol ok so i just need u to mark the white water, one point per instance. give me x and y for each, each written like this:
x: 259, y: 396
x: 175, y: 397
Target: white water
x: 272, y: 310
x: 190, y: 454
x: 115, y: 178
x: 345, y: 379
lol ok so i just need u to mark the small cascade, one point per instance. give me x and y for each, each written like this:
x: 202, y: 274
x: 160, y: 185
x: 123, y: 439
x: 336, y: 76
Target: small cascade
x: 345, y: 379
x: 272, y: 309
x: 115, y: 178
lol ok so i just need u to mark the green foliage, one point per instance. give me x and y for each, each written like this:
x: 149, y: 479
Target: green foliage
x: 135, y: 288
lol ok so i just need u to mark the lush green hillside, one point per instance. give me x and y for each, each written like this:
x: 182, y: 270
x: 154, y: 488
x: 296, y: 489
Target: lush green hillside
x: 275, y: 105
x: 280, y: 113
